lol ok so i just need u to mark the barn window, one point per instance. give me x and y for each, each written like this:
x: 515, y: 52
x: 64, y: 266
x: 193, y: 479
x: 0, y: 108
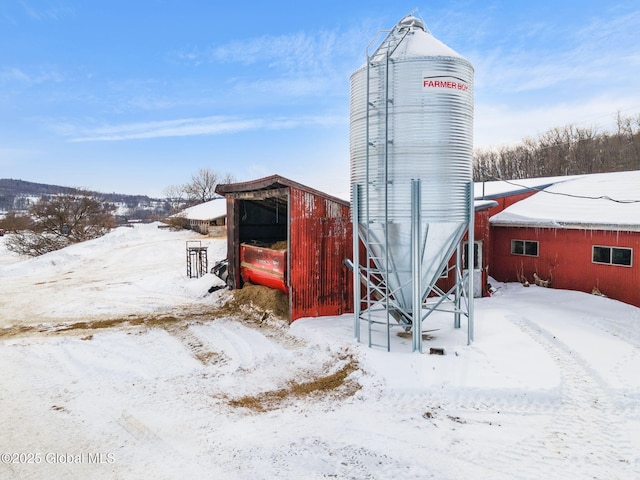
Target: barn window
x: 612, y: 255
x: 524, y: 247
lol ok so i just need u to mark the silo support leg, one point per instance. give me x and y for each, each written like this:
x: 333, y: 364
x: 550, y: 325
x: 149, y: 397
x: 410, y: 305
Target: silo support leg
x: 458, y: 292
x: 470, y: 263
x: 416, y: 267
x: 355, y: 208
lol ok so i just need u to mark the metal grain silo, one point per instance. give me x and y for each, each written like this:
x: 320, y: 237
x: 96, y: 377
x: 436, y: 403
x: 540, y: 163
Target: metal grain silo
x: 411, y: 141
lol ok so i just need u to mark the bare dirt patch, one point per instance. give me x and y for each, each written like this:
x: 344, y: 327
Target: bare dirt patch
x: 85, y: 328
x: 337, y: 384
x: 256, y: 306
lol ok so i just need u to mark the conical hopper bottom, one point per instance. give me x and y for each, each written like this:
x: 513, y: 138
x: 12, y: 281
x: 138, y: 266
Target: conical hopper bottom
x: 390, y: 249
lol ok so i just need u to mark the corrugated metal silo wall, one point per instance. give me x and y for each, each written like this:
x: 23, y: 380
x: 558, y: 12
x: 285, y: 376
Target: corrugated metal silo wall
x: 320, y: 239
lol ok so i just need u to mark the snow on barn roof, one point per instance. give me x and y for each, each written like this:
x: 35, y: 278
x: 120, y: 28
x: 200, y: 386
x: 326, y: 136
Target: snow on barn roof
x: 603, y: 201
x: 210, y: 210
x: 493, y: 189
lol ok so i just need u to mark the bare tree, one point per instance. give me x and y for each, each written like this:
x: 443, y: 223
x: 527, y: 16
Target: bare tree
x: 201, y: 188
x: 228, y: 178
x: 61, y: 220
x: 176, y: 197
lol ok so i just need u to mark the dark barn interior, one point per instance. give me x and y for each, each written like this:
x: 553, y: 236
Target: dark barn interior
x: 263, y: 221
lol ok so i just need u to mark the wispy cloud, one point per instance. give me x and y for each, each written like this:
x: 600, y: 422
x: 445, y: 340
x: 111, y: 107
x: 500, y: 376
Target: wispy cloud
x: 14, y: 74
x: 591, y: 55
x: 284, y: 68
x: 215, y: 125
x: 50, y: 12
x: 294, y: 52
x: 311, y: 52
x: 18, y: 75
x: 620, y: 31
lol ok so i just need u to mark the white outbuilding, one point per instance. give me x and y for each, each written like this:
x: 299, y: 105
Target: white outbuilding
x: 208, y: 218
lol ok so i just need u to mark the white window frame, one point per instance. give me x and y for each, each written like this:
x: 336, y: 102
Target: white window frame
x: 524, y: 247
x: 610, y: 262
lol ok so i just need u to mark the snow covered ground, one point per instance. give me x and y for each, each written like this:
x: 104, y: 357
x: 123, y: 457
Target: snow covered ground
x: 112, y: 366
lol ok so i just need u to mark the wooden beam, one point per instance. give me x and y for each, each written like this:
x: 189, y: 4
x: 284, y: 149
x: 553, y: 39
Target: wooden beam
x: 258, y: 194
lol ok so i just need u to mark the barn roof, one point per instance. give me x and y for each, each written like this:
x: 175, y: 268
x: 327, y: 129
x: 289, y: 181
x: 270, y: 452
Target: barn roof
x: 604, y: 201
x: 271, y: 183
x: 210, y: 210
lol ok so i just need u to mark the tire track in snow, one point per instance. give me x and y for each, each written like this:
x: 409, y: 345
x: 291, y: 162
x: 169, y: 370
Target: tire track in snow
x: 196, y: 346
x: 629, y: 331
x: 583, y: 438
x: 136, y: 428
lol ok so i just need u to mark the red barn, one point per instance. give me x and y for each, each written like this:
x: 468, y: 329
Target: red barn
x: 491, y: 198
x: 581, y: 234
x: 288, y: 236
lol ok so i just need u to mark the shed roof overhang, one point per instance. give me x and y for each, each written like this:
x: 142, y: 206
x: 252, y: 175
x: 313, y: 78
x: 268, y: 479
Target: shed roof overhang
x: 271, y: 186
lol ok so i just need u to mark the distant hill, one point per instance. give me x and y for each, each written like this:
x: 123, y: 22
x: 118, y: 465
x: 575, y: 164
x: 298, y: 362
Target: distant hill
x: 19, y: 195
x: 9, y: 186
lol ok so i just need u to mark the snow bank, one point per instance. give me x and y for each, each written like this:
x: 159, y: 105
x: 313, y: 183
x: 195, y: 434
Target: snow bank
x: 139, y: 270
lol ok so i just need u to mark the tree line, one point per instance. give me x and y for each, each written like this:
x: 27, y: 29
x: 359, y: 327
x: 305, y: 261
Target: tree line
x: 568, y: 150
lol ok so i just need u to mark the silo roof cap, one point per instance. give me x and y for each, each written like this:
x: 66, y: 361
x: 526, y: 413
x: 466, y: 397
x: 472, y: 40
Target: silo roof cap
x: 411, y: 22
x: 411, y: 39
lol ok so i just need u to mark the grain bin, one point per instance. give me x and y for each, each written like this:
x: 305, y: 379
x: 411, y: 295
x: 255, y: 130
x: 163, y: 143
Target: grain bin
x: 411, y: 141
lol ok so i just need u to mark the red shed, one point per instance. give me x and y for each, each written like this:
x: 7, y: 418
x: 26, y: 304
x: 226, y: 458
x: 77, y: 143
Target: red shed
x: 285, y: 235
x: 582, y: 234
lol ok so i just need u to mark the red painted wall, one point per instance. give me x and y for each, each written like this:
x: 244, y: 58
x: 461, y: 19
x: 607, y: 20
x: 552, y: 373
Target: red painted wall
x: 320, y: 236
x: 482, y: 232
x: 264, y: 266
x: 565, y: 255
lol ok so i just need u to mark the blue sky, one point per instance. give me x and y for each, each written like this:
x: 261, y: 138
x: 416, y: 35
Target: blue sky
x: 133, y: 96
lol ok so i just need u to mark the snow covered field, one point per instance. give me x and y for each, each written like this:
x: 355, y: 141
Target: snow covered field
x: 112, y: 366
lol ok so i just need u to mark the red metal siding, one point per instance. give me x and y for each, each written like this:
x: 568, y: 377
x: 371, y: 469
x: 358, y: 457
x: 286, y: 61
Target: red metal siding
x: 566, y: 256
x: 320, y: 239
